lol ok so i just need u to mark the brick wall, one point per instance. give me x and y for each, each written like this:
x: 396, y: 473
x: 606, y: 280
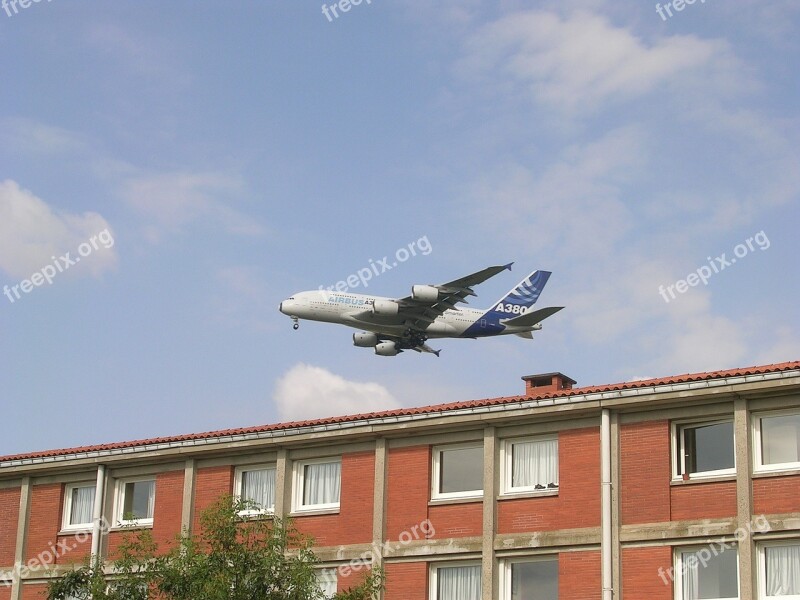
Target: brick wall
x: 9, y: 515
x: 711, y: 500
x: 776, y: 495
x: 210, y: 484
x: 33, y: 592
x: 409, y: 481
x: 579, y: 576
x: 646, y: 471
x: 406, y: 581
x: 578, y: 502
x: 640, y: 573
x: 456, y: 520
x: 45, y: 520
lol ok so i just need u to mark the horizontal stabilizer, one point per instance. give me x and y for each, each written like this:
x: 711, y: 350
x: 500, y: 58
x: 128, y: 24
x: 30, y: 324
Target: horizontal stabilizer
x: 527, y: 335
x: 529, y: 319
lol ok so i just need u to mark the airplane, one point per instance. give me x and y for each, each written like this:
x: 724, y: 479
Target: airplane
x: 393, y: 325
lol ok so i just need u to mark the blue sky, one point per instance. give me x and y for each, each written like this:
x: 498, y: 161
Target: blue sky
x: 235, y: 153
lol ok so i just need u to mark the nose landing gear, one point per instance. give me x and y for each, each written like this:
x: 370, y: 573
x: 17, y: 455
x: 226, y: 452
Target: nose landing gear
x: 296, y: 325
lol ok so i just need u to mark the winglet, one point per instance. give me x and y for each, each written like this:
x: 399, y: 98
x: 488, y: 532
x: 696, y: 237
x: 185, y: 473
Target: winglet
x: 508, y: 266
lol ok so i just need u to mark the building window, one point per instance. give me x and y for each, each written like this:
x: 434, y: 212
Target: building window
x: 530, y: 579
x: 707, y: 573
x: 456, y: 582
x: 704, y: 449
x: 530, y: 465
x: 135, y: 501
x: 779, y: 571
x: 318, y: 484
x: 327, y: 582
x: 457, y: 471
x: 777, y: 441
x: 78, y: 506
x: 256, y: 486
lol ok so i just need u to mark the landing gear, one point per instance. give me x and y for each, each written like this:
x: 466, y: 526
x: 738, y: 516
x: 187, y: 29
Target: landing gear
x: 296, y: 325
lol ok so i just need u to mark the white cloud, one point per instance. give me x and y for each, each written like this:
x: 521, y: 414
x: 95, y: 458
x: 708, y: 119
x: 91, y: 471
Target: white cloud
x: 308, y: 392
x: 31, y: 233
x: 172, y: 200
x: 581, y: 63
x: 563, y: 205
x: 33, y: 137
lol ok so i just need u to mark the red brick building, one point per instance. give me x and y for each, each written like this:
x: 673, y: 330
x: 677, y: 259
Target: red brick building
x: 676, y: 488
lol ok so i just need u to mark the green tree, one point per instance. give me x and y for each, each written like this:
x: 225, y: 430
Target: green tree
x: 232, y: 558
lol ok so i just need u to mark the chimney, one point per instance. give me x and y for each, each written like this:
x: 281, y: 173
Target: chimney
x: 546, y: 383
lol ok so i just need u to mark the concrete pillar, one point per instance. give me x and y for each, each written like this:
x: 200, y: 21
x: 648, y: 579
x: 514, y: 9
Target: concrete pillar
x: 616, y: 503
x: 489, y: 580
x: 744, y: 497
x: 379, y: 503
x: 187, y: 509
x: 22, y: 537
x: 283, y: 485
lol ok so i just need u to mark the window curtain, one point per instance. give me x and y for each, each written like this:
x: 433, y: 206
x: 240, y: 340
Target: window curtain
x: 151, y: 498
x: 326, y: 580
x: 535, y: 463
x: 322, y: 483
x: 82, y: 505
x: 691, y: 577
x: 783, y: 570
x: 259, y: 487
x: 459, y: 583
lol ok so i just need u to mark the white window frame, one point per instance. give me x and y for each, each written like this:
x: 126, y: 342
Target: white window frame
x: 298, y: 486
x: 119, y: 502
x: 65, y: 517
x: 507, y: 462
x: 762, y: 568
x: 758, y: 457
x: 433, y: 588
x: 237, y: 487
x: 436, y: 472
x: 679, y: 453
x: 677, y: 580
x: 505, y: 570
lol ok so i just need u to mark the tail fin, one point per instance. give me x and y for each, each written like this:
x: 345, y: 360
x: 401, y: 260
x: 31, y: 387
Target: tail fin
x: 517, y: 301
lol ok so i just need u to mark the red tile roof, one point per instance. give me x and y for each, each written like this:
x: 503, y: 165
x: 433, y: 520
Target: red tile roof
x: 403, y: 412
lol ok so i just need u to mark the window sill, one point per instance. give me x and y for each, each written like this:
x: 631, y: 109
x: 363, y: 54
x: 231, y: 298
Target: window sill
x: 131, y: 526
x: 314, y: 512
x: 535, y: 494
x: 784, y: 472
x: 704, y: 479
x: 74, y: 531
x: 462, y: 500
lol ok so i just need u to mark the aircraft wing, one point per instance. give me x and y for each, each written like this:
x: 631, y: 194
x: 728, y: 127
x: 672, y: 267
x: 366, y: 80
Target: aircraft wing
x: 419, y: 314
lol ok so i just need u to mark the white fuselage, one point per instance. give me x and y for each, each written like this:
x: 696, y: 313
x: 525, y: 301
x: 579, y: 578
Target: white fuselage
x: 355, y: 310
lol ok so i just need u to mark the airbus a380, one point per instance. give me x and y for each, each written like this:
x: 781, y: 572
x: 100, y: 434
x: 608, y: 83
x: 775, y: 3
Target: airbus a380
x: 393, y: 325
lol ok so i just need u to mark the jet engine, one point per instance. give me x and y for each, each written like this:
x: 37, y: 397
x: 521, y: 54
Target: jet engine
x: 387, y: 349
x: 424, y: 293
x: 387, y: 308
x: 365, y: 339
